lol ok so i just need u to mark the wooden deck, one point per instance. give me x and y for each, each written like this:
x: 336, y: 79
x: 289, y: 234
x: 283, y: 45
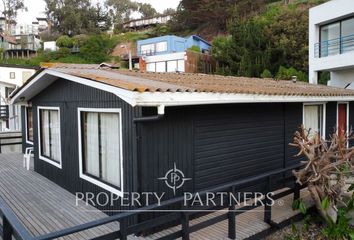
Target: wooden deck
x: 41, y: 205
x: 44, y: 207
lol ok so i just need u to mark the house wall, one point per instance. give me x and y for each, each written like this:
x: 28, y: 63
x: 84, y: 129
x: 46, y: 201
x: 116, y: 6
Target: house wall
x: 69, y: 96
x: 218, y: 144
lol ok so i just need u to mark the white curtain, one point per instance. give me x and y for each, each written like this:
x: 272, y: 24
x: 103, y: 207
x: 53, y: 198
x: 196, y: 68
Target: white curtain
x: 55, y: 135
x: 91, y: 144
x: 151, y: 67
x: 181, y: 66
x: 110, y: 142
x: 45, y: 132
x: 313, y: 119
x: 172, y: 66
x: 161, y: 67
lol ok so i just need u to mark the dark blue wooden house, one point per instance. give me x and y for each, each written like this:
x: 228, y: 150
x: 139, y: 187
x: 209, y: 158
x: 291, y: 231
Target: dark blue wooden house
x: 99, y: 129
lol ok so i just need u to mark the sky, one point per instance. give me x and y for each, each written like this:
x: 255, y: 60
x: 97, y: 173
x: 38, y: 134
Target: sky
x: 36, y: 8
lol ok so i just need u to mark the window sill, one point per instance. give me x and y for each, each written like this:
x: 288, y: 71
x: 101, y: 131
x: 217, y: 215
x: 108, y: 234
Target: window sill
x: 56, y: 164
x: 102, y: 185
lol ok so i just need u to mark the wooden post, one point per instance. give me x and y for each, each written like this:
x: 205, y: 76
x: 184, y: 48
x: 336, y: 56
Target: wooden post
x: 296, y: 191
x: 185, y: 223
x: 267, y: 206
x: 7, y: 229
x: 123, y: 229
x: 232, y: 216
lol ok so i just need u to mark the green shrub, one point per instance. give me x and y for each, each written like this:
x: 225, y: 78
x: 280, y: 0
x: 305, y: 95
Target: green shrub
x: 194, y: 48
x: 65, y: 41
x: 266, y: 74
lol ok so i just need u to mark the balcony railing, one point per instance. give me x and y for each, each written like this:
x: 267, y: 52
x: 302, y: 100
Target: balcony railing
x: 334, y: 46
x: 4, y: 111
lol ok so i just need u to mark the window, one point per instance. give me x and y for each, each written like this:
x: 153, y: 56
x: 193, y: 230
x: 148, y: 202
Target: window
x: 29, y: 125
x: 147, y: 49
x: 151, y: 67
x: 49, y: 135
x: 161, y: 67
x: 337, y: 37
x: 12, y: 75
x: 161, y: 47
x: 348, y: 35
x: 313, y: 119
x: 101, y: 148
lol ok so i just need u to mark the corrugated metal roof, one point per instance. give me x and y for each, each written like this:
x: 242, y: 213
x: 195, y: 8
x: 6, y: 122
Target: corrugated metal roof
x: 183, y: 82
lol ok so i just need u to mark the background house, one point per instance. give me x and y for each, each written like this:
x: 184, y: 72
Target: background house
x: 331, y: 43
x: 12, y: 77
x: 169, y: 54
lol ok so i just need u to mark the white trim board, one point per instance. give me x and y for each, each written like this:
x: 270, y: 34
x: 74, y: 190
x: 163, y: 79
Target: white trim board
x: 133, y: 98
x: 26, y: 127
x: 58, y: 165
x: 81, y: 173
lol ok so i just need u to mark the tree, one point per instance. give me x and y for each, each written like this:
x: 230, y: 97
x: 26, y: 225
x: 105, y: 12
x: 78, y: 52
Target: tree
x: 121, y: 10
x: 147, y: 10
x: 10, y: 9
x: 71, y: 17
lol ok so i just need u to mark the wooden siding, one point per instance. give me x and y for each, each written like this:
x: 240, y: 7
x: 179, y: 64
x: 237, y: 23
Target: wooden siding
x: 69, y: 96
x: 218, y: 144
x: 238, y: 141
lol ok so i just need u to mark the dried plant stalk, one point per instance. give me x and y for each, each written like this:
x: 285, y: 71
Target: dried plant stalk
x: 327, y: 168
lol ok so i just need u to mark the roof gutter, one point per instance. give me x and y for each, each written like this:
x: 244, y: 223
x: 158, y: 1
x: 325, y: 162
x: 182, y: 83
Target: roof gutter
x: 160, y: 115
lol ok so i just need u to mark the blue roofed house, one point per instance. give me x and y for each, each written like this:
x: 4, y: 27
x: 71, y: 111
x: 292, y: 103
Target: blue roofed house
x: 170, y: 53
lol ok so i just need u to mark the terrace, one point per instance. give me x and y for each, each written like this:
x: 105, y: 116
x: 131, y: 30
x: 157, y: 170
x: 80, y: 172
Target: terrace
x: 40, y: 209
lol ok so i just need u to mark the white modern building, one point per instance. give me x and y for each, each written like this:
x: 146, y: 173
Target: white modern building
x: 11, y: 77
x: 331, y: 43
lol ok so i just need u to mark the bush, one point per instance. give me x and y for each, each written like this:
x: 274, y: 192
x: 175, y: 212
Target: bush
x: 266, y: 74
x: 195, y: 48
x: 65, y: 41
x: 287, y: 73
x: 96, y: 49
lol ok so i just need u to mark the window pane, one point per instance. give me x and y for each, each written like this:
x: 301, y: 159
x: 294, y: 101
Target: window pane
x: 181, y: 65
x: 313, y: 116
x: 161, y: 67
x: 110, y: 142
x: 348, y: 35
x: 29, y: 124
x: 330, y: 44
x: 54, y: 135
x: 171, y: 66
x: 45, y: 144
x: 161, y: 47
x: 147, y: 49
x: 150, y: 67
x: 91, y: 143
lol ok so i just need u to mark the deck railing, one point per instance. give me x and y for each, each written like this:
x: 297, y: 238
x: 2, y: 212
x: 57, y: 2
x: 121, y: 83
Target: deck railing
x: 334, y: 46
x: 9, y: 143
x: 4, y: 111
x: 12, y: 227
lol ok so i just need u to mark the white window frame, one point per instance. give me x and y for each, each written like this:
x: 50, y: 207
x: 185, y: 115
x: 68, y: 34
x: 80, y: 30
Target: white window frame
x: 323, y: 135
x: 346, y: 119
x: 82, y: 175
x: 26, y: 127
x: 48, y: 160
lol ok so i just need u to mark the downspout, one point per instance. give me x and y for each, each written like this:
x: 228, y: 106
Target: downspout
x: 160, y: 115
